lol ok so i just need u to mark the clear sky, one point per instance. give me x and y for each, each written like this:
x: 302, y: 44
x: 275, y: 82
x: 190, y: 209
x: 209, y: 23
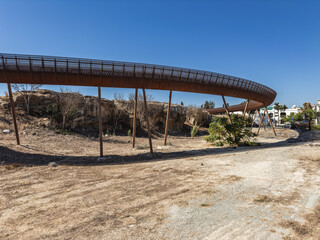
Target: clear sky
x: 276, y: 43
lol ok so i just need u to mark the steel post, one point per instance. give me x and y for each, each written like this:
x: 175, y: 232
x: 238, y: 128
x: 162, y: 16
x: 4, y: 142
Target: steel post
x: 135, y: 119
x: 167, y: 120
x: 100, y: 122
x: 13, y: 114
x: 146, y: 116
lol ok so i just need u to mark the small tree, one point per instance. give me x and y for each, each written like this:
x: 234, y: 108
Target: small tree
x: 118, y: 96
x: 298, y: 117
x: 208, y: 105
x: 309, y: 115
x: 277, y: 107
x: 25, y: 90
x: 68, y: 103
x: 288, y: 118
x: 140, y: 104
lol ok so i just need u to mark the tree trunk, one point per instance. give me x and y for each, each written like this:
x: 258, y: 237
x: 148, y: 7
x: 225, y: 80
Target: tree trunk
x: 63, y: 121
x: 27, y: 103
x: 309, y: 125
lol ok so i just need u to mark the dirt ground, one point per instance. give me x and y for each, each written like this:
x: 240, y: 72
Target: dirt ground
x: 186, y: 190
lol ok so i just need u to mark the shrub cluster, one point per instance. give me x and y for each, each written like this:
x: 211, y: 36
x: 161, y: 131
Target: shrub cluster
x: 222, y: 131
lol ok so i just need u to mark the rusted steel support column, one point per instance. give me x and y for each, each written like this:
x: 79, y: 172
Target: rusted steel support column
x: 226, y: 107
x: 135, y: 119
x: 146, y: 116
x: 261, y: 120
x: 245, y: 108
x: 100, y: 122
x: 254, y: 117
x: 13, y: 114
x: 274, y: 131
x: 167, y: 120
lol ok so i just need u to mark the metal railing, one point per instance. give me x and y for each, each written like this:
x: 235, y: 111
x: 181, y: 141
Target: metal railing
x: 17, y: 62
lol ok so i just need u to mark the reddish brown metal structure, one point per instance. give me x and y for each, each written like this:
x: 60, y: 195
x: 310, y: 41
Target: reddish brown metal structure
x: 13, y: 112
x: 226, y: 109
x: 31, y: 69
x: 135, y: 119
x: 167, y: 120
x: 100, y: 122
x: 146, y: 116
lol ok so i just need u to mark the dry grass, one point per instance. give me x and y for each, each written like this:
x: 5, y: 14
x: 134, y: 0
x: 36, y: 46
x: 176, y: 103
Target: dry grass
x: 285, y: 200
x: 309, y: 230
x: 12, y: 166
x: 4, y: 125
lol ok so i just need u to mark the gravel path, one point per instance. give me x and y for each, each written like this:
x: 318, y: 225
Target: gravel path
x: 267, y: 192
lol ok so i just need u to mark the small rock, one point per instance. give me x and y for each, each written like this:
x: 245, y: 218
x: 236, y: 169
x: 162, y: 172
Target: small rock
x: 34, y: 133
x: 202, y: 164
x: 6, y: 131
x: 52, y: 164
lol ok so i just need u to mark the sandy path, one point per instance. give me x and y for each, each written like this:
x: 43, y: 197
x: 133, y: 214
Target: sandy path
x: 243, y: 193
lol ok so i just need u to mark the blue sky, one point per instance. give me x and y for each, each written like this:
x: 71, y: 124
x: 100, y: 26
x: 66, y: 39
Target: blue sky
x: 272, y: 42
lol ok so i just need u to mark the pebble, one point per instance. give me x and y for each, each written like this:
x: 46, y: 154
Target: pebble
x: 52, y: 164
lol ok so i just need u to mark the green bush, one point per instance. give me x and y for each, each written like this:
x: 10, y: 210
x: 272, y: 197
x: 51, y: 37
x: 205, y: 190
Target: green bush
x: 210, y: 138
x: 129, y: 133
x: 219, y: 144
x: 315, y: 127
x: 233, y: 134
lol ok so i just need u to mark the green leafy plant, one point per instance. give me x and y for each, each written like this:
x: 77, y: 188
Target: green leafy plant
x: 219, y: 144
x: 309, y: 115
x: 129, y: 133
x: 315, y: 127
x: 222, y: 130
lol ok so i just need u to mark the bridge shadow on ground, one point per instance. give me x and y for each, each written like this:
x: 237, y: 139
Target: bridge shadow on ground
x: 9, y: 156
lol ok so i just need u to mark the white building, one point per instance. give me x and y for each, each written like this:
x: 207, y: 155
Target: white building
x: 317, y: 107
x: 275, y: 115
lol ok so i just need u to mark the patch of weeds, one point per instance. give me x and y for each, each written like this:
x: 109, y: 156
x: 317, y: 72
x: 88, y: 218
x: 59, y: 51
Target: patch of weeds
x: 62, y: 131
x: 287, y: 199
x: 263, y: 198
x: 219, y: 144
x: 129, y: 133
x: 141, y: 147
x: 298, y: 228
x: 205, y: 205
x: 231, y: 179
x: 12, y: 166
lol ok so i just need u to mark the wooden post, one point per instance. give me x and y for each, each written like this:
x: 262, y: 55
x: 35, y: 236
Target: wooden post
x: 226, y: 107
x: 261, y: 120
x: 245, y: 108
x: 167, y: 120
x: 135, y: 119
x: 100, y: 122
x: 13, y: 114
x: 146, y: 116
x: 254, y: 117
x: 274, y: 131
